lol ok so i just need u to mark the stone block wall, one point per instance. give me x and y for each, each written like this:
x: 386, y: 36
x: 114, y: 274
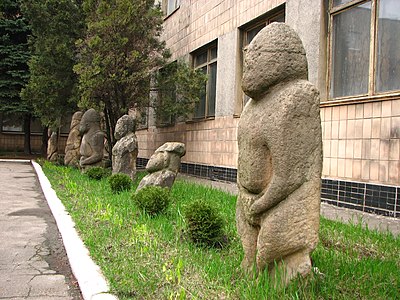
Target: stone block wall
x: 362, y: 141
x: 211, y: 142
x: 196, y: 23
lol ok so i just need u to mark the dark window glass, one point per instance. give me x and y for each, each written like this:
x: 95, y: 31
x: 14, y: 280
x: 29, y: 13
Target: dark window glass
x: 207, y: 62
x: 351, y: 51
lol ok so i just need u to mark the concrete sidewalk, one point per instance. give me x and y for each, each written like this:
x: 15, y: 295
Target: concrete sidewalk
x: 33, y: 262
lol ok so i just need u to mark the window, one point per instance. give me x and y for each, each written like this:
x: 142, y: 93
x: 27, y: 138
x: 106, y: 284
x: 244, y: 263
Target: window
x: 166, y: 94
x: 15, y: 123
x: 250, y: 31
x: 12, y: 123
x: 169, y: 6
x: 364, y: 59
x: 206, y: 60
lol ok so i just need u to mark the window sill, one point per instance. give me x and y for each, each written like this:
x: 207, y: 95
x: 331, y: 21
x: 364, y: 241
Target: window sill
x: 360, y: 99
x: 172, y: 12
x: 197, y: 120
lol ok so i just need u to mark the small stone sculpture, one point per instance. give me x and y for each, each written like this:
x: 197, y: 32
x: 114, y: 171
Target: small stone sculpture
x: 163, y: 165
x: 125, y: 151
x: 92, y: 146
x: 73, y: 145
x: 280, y: 156
x: 52, y: 146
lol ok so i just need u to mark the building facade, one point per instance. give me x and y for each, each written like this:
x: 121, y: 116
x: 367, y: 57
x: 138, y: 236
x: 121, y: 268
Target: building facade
x: 353, y: 59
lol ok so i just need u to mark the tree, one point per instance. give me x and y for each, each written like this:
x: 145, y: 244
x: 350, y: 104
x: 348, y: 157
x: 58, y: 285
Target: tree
x: 119, y: 53
x: 52, y: 88
x: 179, y: 88
x: 119, y: 58
x: 14, y: 71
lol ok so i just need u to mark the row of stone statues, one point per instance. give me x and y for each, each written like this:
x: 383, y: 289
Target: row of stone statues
x: 279, y: 161
x: 85, y: 148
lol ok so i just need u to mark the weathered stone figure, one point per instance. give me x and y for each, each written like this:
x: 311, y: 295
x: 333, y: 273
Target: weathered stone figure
x: 125, y: 151
x: 163, y: 165
x: 52, y: 146
x: 92, y: 145
x: 73, y: 145
x: 280, y: 156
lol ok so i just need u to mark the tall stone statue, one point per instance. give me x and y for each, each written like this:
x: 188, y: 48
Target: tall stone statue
x: 163, y: 165
x: 280, y: 156
x: 73, y: 145
x: 92, y: 146
x: 52, y: 146
x: 125, y: 151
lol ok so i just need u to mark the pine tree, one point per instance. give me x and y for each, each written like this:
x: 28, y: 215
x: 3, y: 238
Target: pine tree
x: 14, y: 71
x: 119, y: 53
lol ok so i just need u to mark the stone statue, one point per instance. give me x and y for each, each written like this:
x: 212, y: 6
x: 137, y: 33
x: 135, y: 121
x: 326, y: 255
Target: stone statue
x: 280, y: 156
x: 163, y: 165
x: 52, y: 146
x: 92, y: 145
x: 125, y: 151
x: 72, y: 154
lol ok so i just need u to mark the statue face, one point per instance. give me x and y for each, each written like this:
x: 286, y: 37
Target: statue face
x: 120, y: 129
x: 84, y: 126
x: 158, y: 161
x: 276, y: 54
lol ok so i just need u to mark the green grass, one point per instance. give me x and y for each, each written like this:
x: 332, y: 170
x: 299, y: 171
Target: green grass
x: 151, y: 258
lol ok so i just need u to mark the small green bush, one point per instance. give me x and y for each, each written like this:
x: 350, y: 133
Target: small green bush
x: 97, y: 173
x: 152, y: 199
x: 120, y: 182
x: 204, y: 224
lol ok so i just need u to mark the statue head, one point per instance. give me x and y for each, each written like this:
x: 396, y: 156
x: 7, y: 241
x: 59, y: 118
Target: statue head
x: 166, y: 156
x: 125, y: 125
x: 76, y: 119
x: 275, y: 54
x: 90, y: 119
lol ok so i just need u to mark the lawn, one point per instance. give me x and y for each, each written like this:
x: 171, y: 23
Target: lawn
x: 151, y: 257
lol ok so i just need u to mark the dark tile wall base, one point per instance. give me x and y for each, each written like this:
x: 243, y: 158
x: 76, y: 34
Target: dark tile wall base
x: 211, y: 172
x: 372, y: 198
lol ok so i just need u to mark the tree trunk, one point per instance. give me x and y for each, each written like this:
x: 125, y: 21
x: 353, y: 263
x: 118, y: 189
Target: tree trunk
x: 108, y: 133
x: 45, y: 139
x: 27, y: 134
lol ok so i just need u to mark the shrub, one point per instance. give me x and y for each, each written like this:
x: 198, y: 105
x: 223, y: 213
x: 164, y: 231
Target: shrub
x: 204, y: 224
x: 152, y: 199
x: 119, y: 182
x: 97, y: 173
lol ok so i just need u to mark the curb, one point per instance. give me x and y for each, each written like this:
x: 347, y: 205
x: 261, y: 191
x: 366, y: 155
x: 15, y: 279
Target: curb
x: 91, y: 281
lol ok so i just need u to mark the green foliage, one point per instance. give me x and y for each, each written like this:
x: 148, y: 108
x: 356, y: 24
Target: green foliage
x: 152, y: 199
x: 97, y: 173
x: 14, y: 71
x: 14, y: 56
x: 120, y: 182
x: 179, y: 88
x: 205, y: 226
x: 56, y: 25
x: 117, y: 56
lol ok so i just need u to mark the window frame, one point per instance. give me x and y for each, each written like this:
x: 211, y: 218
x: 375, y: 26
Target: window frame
x: 165, y: 5
x: 372, y: 93
x: 208, y: 63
